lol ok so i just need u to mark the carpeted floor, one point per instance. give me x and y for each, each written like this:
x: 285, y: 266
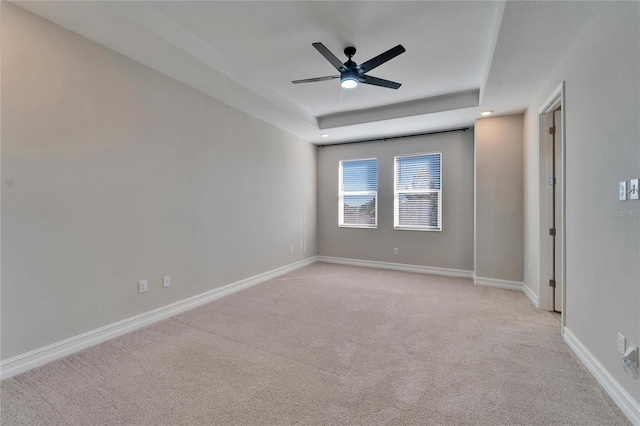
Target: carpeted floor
x: 327, y: 344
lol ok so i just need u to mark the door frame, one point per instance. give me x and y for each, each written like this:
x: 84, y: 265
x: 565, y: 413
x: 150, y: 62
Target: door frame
x: 545, y: 296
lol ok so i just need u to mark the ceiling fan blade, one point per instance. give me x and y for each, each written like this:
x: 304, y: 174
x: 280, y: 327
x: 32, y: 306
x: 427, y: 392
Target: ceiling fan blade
x: 367, y: 79
x: 381, y: 58
x: 343, y: 94
x: 329, y: 56
x: 311, y: 80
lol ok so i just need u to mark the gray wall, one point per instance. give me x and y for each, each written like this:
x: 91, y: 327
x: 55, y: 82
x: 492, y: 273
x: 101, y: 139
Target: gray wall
x: 602, y: 127
x: 452, y: 248
x: 499, y: 198
x: 113, y: 173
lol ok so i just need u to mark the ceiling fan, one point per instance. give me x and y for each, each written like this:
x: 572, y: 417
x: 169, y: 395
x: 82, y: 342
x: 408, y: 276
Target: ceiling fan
x: 351, y: 73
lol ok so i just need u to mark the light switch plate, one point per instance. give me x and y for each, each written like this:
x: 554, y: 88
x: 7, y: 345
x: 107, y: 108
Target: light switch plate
x: 622, y: 343
x: 622, y: 191
x: 166, y: 281
x: 633, y: 184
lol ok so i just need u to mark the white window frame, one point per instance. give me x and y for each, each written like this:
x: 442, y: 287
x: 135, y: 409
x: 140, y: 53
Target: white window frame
x: 342, y: 193
x: 398, y: 192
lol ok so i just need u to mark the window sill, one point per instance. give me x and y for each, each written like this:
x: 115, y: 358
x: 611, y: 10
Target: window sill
x: 404, y: 228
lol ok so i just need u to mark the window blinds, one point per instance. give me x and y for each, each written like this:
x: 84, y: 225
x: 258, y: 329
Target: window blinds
x: 417, y: 192
x: 358, y: 194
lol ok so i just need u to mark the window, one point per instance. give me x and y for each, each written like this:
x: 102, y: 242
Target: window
x: 358, y: 193
x: 417, y: 201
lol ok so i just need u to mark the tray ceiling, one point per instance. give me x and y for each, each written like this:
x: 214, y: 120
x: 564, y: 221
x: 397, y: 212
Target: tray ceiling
x: 462, y: 57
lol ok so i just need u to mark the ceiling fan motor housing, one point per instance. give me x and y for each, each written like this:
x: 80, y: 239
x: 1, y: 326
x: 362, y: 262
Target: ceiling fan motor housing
x: 352, y: 72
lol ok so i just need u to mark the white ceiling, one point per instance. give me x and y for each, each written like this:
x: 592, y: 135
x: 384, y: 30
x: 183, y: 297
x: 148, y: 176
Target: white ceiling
x: 462, y: 57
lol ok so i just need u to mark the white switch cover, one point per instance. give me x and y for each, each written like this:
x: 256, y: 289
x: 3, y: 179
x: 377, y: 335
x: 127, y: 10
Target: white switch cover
x: 633, y: 183
x: 166, y: 281
x: 622, y: 343
x: 142, y: 286
x: 395, y: 250
x: 622, y: 191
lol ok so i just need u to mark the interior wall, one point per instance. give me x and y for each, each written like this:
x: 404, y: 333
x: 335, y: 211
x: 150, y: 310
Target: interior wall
x: 602, y: 127
x: 452, y: 248
x: 114, y: 173
x: 499, y: 198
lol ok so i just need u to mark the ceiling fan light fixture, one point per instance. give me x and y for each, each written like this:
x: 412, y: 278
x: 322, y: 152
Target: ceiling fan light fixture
x: 349, y: 83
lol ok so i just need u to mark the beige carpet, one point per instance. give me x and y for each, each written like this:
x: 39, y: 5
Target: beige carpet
x: 327, y: 344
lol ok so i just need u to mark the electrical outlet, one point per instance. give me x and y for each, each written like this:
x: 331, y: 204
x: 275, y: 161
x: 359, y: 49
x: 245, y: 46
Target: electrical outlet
x: 622, y: 191
x: 395, y: 250
x: 290, y: 249
x: 634, y: 190
x: 166, y: 281
x: 142, y: 286
x: 622, y: 343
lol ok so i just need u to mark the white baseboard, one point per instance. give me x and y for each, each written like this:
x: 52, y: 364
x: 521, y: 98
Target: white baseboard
x: 533, y: 297
x: 508, y: 285
x: 620, y: 396
x: 459, y: 273
x: 494, y: 282
x: 21, y: 363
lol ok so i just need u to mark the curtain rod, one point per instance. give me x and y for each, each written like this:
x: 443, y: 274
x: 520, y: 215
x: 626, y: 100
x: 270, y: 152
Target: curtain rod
x: 463, y: 129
